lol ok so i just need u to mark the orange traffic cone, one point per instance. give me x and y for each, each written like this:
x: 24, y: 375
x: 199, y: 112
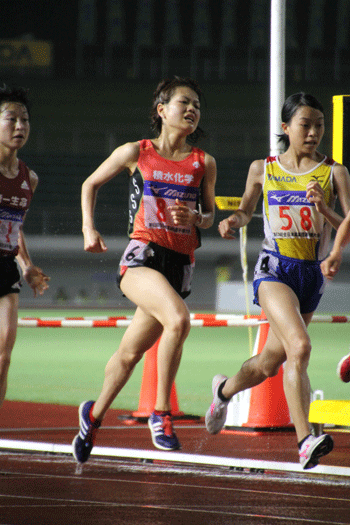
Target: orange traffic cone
x: 148, y: 392
x: 265, y: 406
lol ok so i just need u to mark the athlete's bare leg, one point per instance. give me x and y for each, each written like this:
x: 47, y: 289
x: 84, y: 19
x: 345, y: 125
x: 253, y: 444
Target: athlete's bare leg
x: 161, y: 312
x: 8, y: 331
x: 281, y: 307
x: 287, y: 341
x: 258, y: 368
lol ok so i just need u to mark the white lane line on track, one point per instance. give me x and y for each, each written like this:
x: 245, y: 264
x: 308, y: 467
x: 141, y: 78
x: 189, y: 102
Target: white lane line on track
x: 174, y: 457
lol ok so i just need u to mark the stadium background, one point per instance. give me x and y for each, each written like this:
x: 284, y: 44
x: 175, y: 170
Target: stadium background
x: 86, y: 103
x: 106, y: 56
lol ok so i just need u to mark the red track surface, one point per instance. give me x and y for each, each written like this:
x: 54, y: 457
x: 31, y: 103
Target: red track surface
x: 48, y: 490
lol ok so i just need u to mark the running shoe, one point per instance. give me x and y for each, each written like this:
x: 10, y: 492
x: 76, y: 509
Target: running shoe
x: 314, y: 448
x: 84, y: 441
x: 343, y: 369
x: 216, y: 414
x: 162, y: 432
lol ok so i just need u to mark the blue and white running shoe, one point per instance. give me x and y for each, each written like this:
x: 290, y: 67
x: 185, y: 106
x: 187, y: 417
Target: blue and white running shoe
x: 84, y: 441
x: 162, y: 432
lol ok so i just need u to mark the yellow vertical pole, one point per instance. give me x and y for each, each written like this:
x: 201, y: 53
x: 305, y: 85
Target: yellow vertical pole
x: 338, y: 123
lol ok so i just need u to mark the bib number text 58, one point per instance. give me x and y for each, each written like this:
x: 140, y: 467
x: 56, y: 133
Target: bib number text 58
x: 305, y: 218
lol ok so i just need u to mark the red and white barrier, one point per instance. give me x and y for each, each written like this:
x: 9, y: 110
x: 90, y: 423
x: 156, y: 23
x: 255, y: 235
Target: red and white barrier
x: 205, y: 320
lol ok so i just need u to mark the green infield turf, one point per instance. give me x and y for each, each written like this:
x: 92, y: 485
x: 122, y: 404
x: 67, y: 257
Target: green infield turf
x: 66, y: 365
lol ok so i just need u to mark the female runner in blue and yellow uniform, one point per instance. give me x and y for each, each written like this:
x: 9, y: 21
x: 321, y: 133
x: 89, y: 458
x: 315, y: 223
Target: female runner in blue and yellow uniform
x: 169, y: 178
x: 299, y: 189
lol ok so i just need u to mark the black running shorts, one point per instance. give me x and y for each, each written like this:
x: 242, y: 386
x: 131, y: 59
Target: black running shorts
x: 10, y: 280
x: 175, y: 266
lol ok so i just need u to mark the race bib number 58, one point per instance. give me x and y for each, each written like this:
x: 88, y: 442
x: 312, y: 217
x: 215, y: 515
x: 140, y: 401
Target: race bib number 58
x: 292, y: 215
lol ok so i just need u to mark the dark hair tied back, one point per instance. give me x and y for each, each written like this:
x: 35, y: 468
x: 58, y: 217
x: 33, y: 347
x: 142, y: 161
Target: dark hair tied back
x: 291, y: 105
x: 162, y: 95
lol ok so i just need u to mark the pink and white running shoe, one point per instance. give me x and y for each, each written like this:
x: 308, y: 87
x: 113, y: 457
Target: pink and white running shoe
x: 313, y: 449
x: 216, y: 414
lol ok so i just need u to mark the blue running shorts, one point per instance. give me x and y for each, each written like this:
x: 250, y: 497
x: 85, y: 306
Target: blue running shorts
x: 303, y: 277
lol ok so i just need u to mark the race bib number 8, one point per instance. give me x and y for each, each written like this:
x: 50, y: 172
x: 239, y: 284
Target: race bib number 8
x: 157, y: 199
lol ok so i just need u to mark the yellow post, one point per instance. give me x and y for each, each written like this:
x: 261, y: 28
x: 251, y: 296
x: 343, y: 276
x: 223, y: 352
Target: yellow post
x: 341, y: 125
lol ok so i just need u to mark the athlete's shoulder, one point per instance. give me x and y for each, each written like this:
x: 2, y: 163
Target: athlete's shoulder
x: 337, y: 167
x: 28, y: 174
x: 209, y: 160
x: 129, y: 150
x: 257, y: 166
x: 34, y: 179
x: 340, y: 170
x: 132, y: 147
x: 210, y: 169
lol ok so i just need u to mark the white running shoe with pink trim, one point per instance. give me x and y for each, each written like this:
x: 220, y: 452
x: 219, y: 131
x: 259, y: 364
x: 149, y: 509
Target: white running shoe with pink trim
x: 216, y: 414
x: 314, y: 448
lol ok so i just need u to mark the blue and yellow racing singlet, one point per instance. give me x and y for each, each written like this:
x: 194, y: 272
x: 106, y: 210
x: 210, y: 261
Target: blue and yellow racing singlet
x: 292, y: 226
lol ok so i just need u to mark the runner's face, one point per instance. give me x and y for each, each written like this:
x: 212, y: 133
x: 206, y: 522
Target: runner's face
x: 306, y: 129
x: 14, y: 125
x: 182, y: 111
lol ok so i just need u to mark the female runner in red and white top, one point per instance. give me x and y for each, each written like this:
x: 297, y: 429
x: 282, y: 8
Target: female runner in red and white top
x: 172, y: 194
x: 17, y: 185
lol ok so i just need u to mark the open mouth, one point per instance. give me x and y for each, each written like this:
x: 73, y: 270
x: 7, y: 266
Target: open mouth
x: 190, y: 119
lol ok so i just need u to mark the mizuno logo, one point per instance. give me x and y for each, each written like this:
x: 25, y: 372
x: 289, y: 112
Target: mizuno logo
x: 297, y: 199
x: 290, y: 198
x: 179, y: 194
x: 156, y: 190
x: 277, y: 198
